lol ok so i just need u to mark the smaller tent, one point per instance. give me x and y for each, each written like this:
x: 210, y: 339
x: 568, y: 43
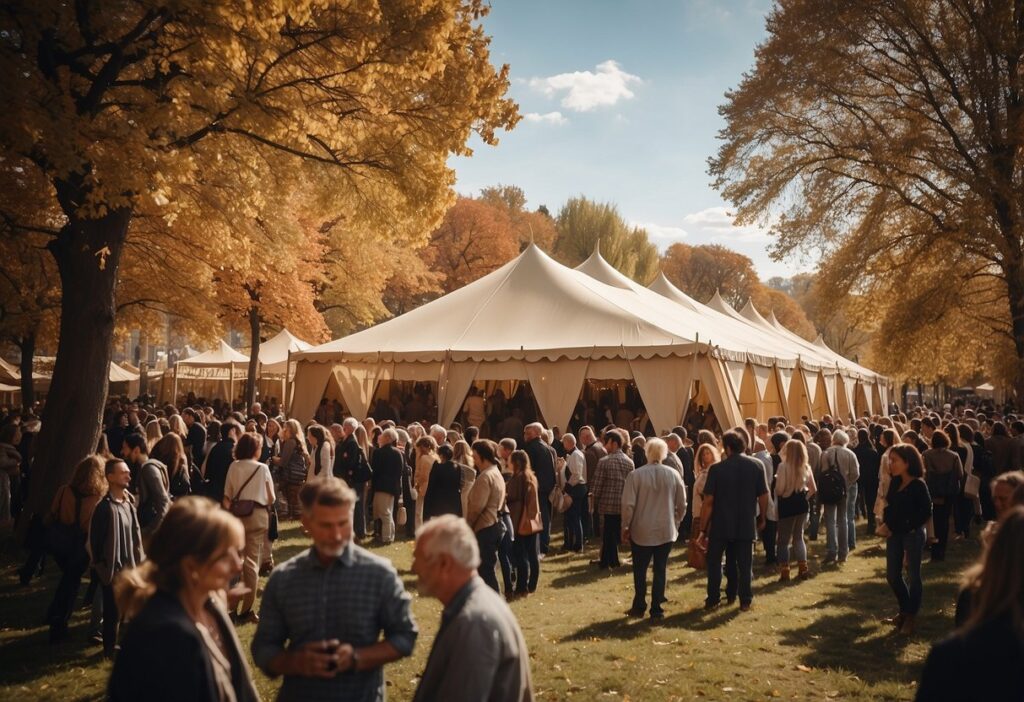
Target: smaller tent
x: 212, y: 373
x: 275, y: 371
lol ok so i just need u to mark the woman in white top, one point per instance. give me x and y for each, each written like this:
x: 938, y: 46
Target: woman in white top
x: 705, y: 457
x: 794, y: 486
x: 248, y: 493
x: 426, y: 457
x: 887, y: 440
x: 321, y: 452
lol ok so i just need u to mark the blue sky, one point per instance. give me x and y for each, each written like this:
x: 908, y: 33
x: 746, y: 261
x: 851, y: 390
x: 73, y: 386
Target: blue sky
x: 620, y: 102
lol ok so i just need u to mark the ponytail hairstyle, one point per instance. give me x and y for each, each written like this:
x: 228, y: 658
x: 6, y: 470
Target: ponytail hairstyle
x: 194, y: 526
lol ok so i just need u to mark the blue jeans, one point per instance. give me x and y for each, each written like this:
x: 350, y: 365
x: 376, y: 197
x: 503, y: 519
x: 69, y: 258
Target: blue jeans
x: 506, y: 552
x: 911, y: 546
x: 851, y: 516
x: 574, y: 518
x: 836, y: 527
x: 739, y: 571
x: 791, y: 530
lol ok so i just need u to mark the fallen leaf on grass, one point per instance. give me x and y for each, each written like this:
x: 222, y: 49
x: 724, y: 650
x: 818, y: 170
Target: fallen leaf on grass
x: 803, y: 668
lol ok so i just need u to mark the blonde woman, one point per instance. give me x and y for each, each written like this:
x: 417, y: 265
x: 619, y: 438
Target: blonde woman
x: 463, y: 458
x: 707, y: 455
x: 293, y: 464
x: 426, y: 457
x: 177, y: 425
x: 153, y: 433
x: 794, y: 486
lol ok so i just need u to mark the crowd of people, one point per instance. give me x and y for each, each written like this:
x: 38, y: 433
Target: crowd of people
x: 174, y: 518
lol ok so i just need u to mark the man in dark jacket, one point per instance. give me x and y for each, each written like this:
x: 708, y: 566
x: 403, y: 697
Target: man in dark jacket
x: 215, y: 467
x: 348, y: 465
x: 542, y: 460
x: 735, y: 490
x: 195, y: 442
x: 387, y: 466
x: 677, y: 444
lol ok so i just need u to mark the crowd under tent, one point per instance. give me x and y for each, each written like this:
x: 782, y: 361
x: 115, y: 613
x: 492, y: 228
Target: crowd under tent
x: 534, y: 320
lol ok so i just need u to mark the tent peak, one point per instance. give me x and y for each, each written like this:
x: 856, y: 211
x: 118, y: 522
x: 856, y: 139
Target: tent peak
x: 597, y: 267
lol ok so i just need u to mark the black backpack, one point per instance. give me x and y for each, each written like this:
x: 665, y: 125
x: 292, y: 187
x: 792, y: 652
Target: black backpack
x: 831, y: 486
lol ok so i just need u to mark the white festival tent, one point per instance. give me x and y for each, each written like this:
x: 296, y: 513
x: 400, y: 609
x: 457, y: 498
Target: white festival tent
x: 212, y: 373
x: 538, y: 321
x: 276, y: 370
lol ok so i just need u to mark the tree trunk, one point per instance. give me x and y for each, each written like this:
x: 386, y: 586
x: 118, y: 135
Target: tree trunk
x: 1014, y: 273
x: 254, y: 354
x: 27, y: 346
x: 87, y: 252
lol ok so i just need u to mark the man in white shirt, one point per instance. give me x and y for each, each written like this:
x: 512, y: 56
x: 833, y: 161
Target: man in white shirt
x: 573, y: 479
x: 653, y: 504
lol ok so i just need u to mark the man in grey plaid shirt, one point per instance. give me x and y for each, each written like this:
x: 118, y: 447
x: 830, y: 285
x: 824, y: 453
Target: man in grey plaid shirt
x: 324, y: 611
x: 606, y: 489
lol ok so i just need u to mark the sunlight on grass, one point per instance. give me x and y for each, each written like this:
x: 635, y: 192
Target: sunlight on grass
x: 805, y: 640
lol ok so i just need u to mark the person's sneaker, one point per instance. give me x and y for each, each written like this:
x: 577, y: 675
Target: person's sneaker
x: 635, y: 613
x: 708, y: 606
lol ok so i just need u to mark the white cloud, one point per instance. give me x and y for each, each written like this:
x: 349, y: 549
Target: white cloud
x: 716, y: 223
x: 661, y: 234
x: 546, y: 118
x: 586, y: 90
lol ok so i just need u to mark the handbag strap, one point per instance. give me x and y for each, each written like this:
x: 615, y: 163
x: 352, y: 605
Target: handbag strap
x: 257, y: 470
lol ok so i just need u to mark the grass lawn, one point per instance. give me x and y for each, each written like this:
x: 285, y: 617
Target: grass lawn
x: 805, y: 640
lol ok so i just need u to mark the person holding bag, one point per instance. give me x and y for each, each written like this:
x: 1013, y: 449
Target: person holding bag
x: 66, y: 534
x: 249, y: 495
x: 524, y: 504
x: 794, y: 486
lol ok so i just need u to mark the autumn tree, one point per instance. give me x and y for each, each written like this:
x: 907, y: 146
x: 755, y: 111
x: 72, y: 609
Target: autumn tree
x: 582, y: 223
x: 535, y: 226
x: 475, y: 238
x: 881, y: 132
x: 121, y: 105
x: 701, y: 271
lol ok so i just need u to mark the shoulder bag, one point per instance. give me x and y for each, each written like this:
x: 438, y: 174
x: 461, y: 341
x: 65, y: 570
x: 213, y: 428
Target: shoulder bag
x: 243, y: 508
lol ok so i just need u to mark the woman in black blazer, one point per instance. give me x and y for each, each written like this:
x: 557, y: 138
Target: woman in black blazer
x: 180, y: 643
x: 444, y: 486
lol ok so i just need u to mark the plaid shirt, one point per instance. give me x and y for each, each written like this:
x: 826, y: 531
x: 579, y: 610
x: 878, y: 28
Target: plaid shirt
x: 608, y: 481
x: 353, y: 599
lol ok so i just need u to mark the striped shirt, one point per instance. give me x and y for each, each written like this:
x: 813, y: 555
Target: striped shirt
x: 354, y: 599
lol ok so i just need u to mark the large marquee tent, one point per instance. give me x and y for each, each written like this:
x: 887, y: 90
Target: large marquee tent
x: 536, y: 320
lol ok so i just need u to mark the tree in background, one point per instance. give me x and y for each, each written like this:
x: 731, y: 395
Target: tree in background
x: 536, y: 226
x: 582, y: 223
x: 475, y: 238
x: 882, y: 133
x: 119, y: 106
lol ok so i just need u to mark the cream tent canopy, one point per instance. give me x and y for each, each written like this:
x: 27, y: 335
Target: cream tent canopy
x: 274, y: 352
x: 536, y: 320
x: 532, y: 319
x: 215, y: 371
x: 9, y: 373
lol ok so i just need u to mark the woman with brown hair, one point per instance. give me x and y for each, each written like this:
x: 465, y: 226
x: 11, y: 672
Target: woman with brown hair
x: 984, y: 660
x: 69, y: 520
x: 524, y: 504
x: 170, y: 451
x: 908, y: 509
x: 794, y: 486
x: 292, y: 464
x: 180, y: 644
x: 249, y: 495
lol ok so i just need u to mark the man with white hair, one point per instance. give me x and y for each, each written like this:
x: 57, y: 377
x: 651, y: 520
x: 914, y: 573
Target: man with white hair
x: 840, y: 531
x: 350, y: 465
x: 653, y: 504
x: 388, y: 466
x: 542, y: 461
x: 439, y: 433
x: 479, y: 652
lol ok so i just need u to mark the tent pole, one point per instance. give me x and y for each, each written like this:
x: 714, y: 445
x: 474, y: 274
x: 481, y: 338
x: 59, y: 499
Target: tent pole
x: 231, y: 383
x: 286, y: 404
